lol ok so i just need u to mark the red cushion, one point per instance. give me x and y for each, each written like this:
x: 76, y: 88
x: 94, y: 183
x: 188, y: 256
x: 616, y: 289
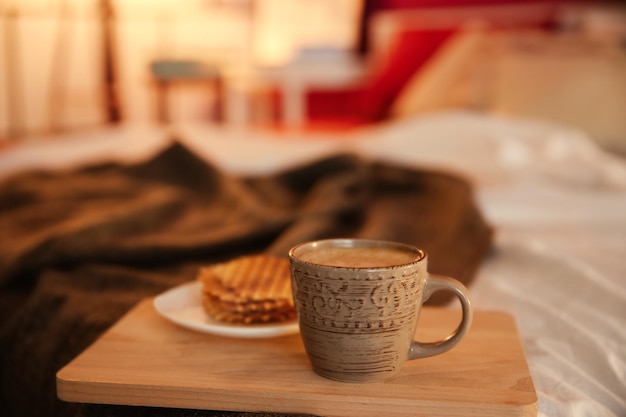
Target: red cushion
x: 334, y: 104
x: 371, y: 101
x: 408, y: 53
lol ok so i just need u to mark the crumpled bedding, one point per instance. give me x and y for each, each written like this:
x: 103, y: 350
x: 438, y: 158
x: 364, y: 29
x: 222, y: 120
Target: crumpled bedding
x: 81, y: 247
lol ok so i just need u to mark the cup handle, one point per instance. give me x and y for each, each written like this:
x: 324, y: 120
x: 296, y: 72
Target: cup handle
x: 433, y: 284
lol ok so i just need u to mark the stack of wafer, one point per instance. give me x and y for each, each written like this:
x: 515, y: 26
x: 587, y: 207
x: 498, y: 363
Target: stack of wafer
x: 248, y: 290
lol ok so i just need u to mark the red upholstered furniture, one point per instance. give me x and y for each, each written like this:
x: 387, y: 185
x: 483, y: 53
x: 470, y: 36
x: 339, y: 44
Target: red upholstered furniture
x: 369, y: 102
x: 417, y: 39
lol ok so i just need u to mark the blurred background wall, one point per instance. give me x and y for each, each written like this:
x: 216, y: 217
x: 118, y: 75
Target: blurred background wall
x: 53, y: 74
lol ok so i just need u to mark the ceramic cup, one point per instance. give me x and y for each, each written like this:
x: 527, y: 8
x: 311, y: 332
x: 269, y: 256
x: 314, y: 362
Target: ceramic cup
x: 358, y: 303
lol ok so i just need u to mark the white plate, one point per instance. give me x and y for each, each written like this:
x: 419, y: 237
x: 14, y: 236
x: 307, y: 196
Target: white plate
x: 183, y: 305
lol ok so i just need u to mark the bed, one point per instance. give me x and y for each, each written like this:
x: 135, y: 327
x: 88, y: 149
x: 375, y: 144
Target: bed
x: 547, y: 211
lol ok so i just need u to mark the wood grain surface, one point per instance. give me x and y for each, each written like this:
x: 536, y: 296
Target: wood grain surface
x: 146, y: 360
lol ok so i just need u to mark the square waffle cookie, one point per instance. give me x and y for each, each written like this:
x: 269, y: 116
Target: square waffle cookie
x: 248, y: 290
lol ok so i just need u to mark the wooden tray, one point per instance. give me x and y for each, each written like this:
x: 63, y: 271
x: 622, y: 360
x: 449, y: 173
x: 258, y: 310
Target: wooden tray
x: 146, y: 360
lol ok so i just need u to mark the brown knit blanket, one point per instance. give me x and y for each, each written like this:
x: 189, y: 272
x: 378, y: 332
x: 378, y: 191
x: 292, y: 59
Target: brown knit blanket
x: 79, y: 248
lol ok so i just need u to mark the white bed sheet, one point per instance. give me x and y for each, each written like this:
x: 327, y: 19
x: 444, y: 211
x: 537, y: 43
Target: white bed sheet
x: 558, y: 204
x: 559, y: 207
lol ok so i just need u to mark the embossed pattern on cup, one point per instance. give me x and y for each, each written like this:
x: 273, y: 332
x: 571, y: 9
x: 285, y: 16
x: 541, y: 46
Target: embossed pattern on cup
x: 357, y: 324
